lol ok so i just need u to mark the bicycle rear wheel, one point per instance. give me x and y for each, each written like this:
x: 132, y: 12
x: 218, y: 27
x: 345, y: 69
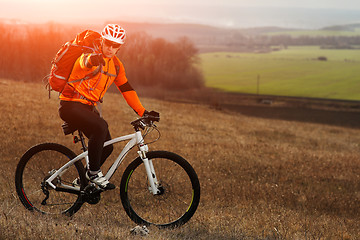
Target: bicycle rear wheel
x: 179, y: 197
x: 36, y: 166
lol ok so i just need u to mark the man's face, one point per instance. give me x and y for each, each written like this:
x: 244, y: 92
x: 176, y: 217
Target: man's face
x: 110, y: 48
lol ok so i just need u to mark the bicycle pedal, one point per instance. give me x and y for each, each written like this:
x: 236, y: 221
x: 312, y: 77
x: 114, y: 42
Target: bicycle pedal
x: 92, y: 188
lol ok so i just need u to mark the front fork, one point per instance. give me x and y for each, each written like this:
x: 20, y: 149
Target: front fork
x: 150, y: 171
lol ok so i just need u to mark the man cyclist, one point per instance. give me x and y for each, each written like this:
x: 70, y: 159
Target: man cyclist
x: 79, y: 98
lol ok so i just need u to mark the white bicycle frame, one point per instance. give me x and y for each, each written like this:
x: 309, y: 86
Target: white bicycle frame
x: 134, y: 139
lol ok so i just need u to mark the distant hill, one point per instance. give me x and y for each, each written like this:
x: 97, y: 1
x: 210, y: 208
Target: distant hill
x: 206, y: 37
x: 210, y: 38
x: 349, y: 27
x: 176, y: 30
x: 203, y: 36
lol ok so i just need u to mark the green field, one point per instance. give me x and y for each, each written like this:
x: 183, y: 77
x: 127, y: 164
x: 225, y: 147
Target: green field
x: 295, y: 71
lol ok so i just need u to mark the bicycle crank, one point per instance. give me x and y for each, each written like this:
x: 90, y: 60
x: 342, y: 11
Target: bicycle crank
x: 91, y: 194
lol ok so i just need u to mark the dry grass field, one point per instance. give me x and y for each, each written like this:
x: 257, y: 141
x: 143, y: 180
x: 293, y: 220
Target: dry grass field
x: 261, y: 178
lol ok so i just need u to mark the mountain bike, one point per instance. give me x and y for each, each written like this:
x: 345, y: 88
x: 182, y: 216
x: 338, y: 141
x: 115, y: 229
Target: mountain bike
x: 157, y: 188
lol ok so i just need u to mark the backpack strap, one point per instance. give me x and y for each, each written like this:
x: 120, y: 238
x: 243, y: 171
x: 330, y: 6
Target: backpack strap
x: 117, y: 65
x: 117, y: 68
x: 109, y: 74
x: 88, y: 76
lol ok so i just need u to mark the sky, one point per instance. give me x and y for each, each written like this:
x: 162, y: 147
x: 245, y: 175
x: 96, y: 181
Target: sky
x: 228, y: 13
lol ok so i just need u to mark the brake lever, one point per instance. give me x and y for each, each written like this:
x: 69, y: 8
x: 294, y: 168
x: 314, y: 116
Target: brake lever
x: 142, y: 125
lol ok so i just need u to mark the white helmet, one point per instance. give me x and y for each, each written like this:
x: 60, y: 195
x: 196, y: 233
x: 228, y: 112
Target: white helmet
x: 114, y: 33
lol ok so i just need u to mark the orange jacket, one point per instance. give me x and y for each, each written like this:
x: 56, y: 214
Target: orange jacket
x: 92, y: 90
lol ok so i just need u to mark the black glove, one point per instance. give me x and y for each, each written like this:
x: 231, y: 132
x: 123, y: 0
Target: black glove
x: 96, y: 59
x: 154, y: 116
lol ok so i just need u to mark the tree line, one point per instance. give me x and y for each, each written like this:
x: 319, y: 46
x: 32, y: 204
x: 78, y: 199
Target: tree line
x: 266, y: 42
x: 26, y: 53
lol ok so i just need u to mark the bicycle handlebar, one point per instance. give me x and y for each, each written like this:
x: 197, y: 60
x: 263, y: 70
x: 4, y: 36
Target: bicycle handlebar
x: 152, y: 118
x: 146, y: 120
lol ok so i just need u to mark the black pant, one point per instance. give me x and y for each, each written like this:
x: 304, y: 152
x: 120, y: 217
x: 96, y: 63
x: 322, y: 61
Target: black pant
x: 88, y: 120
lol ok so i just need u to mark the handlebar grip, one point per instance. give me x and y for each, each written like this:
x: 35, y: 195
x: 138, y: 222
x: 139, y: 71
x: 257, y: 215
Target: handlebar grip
x: 152, y: 116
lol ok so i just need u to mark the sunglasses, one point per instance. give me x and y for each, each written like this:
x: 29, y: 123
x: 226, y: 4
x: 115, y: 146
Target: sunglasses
x: 111, y: 44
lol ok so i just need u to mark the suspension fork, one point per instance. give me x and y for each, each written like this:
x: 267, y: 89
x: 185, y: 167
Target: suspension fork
x: 149, y: 168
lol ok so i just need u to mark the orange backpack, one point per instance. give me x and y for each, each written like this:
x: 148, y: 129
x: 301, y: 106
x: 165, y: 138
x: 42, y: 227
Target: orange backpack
x: 62, y: 64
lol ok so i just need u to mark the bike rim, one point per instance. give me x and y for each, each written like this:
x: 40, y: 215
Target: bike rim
x: 168, y: 208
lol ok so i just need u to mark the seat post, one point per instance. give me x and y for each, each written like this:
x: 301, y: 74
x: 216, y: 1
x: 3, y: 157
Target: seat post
x: 82, y: 140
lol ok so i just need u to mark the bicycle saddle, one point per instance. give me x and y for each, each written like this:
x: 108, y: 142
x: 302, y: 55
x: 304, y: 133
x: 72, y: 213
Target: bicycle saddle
x: 67, y: 128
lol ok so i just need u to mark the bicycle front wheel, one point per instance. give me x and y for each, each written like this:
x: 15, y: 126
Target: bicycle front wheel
x: 36, y: 166
x: 180, y: 191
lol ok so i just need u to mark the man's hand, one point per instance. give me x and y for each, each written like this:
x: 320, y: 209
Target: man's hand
x: 96, y: 59
x: 152, y: 115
